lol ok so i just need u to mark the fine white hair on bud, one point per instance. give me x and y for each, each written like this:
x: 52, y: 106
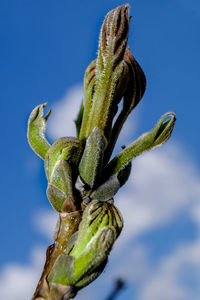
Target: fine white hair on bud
x: 114, y: 35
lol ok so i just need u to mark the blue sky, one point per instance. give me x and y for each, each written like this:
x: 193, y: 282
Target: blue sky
x: 45, y: 48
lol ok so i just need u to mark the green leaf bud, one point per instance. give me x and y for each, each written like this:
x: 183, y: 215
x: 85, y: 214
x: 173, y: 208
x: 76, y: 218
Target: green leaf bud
x: 88, y: 249
x: 67, y: 148
x: 111, y: 72
x: 135, y: 88
x: 36, y: 131
x: 91, y: 162
x: 157, y: 136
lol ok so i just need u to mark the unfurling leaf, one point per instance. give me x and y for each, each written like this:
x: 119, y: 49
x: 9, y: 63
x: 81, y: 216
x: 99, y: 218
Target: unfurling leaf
x: 36, y: 131
x: 157, y: 136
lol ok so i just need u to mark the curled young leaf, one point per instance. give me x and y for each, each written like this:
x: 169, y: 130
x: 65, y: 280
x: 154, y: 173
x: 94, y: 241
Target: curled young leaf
x: 36, y: 131
x: 157, y: 136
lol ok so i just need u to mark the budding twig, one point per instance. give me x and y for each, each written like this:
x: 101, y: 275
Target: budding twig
x: 81, y: 180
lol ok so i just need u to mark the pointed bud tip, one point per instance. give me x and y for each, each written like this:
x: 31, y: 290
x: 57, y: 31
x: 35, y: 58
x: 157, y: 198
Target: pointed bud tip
x: 114, y: 34
x: 165, y: 127
x: 127, y: 6
x: 44, y: 104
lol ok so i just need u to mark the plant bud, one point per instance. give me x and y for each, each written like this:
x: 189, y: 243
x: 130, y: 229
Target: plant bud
x: 157, y: 136
x: 36, y: 131
x: 114, y: 36
x: 111, y: 73
x: 135, y: 87
x: 91, y: 162
x: 88, y: 249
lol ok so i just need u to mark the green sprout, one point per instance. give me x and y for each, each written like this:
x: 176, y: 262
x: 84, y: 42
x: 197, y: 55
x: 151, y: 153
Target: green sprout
x: 82, y: 180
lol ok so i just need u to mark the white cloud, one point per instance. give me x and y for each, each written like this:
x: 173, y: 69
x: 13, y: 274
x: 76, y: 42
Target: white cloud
x: 45, y: 222
x: 163, y: 183
x: 18, y: 281
x: 195, y: 213
x: 169, y: 281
